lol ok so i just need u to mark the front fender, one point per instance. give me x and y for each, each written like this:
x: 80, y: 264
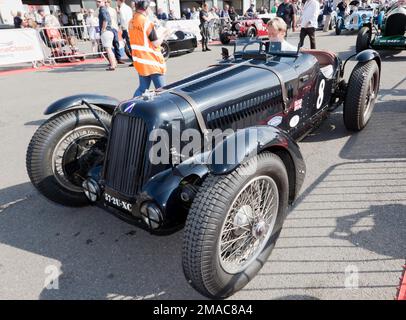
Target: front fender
x: 244, y: 144
x: 106, y: 103
x: 368, y: 55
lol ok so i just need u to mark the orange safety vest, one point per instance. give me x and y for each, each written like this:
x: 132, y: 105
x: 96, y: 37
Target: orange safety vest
x: 146, y: 58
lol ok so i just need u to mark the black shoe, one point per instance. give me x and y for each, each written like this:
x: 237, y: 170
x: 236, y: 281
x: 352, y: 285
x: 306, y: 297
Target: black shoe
x: 203, y: 49
x: 207, y: 49
x: 131, y: 65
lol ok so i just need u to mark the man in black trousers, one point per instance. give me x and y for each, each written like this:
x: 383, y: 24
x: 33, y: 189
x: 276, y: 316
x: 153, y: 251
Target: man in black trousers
x: 311, y: 10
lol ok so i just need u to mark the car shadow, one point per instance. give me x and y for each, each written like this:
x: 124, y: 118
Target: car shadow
x: 100, y: 256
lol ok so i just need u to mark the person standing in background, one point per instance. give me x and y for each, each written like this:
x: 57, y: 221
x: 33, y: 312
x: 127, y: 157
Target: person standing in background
x: 92, y: 23
x: 107, y: 36
x: 309, y: 23
x: 327, y: 10
x: 195, y: 14
x: 126, y: 14
x: 146, y: 49
x: 204, y: 26
x: 287, y: 12
x: 232, y: 14
x: 114, y: 28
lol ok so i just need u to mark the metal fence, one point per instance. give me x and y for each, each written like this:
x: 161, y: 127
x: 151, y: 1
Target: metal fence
x: 71, y: 43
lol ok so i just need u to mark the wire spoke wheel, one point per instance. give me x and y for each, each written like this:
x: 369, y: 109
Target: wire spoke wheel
x: 248, y: 224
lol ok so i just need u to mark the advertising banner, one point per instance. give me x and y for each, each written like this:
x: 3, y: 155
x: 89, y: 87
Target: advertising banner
x: 20, y: 45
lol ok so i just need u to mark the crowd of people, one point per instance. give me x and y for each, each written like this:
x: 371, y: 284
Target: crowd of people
x: 140, y: 28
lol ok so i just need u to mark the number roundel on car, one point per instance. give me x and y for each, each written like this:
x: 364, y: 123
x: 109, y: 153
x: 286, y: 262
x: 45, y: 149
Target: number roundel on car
x: 320, y: 97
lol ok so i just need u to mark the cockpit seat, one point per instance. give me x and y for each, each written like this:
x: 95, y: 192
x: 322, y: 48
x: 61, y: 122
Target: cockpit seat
x: 327, y: 61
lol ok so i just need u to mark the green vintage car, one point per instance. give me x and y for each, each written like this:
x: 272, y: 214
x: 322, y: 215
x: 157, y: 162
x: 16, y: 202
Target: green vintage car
x: 390, y: 29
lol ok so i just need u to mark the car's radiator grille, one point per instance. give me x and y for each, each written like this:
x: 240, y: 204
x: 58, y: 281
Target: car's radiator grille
x: 125, y: 161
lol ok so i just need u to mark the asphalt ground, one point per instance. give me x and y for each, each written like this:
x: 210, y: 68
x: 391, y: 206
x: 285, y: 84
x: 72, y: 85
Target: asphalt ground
x: 345, y: 238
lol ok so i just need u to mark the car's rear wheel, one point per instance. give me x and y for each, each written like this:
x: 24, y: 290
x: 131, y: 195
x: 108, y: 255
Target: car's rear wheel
x: 61, y: 152
x: 363, y: 39
x: 233, y: 225
x: 251, y: 32
x: 361, y: 95
x: 225, y: 38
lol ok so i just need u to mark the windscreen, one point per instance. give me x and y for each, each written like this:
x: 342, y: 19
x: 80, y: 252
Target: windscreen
x: 252, y: 46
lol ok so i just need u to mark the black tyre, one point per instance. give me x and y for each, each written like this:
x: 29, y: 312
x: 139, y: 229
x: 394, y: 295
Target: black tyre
x: 244, y: 205
x: 338, y: 26
x: 61, y: 152
x: 363, y: 39
x: 225, y: 38
x: 361, y: 95
x: 166, y: 51
x: 251, y: 32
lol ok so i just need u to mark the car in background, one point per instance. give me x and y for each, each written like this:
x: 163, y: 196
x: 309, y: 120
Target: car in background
x: 178, y: 42
x: 357, y: 17
x: 321, y: 19
x: 246, y: 27
x: 390, y: 30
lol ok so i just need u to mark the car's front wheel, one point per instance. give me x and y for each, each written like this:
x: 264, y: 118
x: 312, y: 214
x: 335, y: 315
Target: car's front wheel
x: 361, y: 95
x: 62, y: 151
x: 233, y: 225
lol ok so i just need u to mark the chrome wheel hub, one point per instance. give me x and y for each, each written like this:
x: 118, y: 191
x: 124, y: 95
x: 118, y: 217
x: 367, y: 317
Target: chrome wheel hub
x: 248, y: 224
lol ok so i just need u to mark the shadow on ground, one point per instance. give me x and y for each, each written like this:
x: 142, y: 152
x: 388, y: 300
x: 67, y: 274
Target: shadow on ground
x: 101, y: 257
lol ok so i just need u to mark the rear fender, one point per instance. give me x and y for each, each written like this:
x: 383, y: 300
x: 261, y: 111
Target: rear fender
x: 105, y: 103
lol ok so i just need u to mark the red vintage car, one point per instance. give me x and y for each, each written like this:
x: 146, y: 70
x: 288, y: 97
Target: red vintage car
x: 245, y: 27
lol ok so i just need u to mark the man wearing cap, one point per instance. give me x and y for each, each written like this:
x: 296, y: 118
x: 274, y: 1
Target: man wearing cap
x: 146, y: 51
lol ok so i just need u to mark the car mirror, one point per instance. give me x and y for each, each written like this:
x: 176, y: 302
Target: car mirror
x: 224, y: 53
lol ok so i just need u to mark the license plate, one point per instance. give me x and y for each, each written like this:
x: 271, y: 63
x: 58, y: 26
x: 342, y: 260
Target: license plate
x: 117, y: 202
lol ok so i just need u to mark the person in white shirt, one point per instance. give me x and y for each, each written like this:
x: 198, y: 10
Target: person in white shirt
x: 92, y: 23
x: 309, y: 23
x: 126, y: 14
x: 276, y: 32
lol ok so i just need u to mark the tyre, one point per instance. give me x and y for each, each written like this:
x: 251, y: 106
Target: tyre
x: 251, y: 32
x: 361, y: 95
x: 233, y: 225
x: 338, y: 26
x: 363, y: 39
x: 225, y: 38
x: 166, y: 51
x: 62, y: 151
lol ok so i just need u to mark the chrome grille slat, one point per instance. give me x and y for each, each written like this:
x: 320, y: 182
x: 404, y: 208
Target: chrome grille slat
x: 125, y: 160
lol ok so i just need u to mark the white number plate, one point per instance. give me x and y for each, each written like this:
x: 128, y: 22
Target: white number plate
x: 118, y: 202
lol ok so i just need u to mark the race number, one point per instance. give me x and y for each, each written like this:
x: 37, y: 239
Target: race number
x: 320, y: 98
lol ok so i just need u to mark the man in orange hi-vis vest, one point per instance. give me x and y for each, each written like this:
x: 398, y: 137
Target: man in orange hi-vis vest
x: 146, y: 51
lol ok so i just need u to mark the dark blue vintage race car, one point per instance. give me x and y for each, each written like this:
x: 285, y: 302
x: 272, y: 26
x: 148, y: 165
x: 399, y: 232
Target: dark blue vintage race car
x: 231, y: 190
